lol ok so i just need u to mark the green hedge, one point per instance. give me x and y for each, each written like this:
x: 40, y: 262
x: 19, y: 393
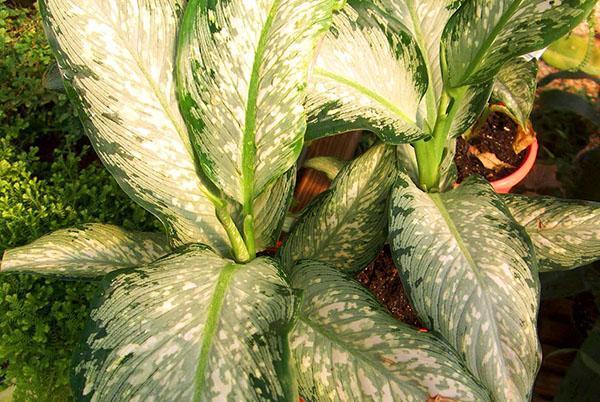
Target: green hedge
x: 50, y: 178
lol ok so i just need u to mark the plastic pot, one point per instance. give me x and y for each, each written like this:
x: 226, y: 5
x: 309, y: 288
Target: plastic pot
x: 504, y: 185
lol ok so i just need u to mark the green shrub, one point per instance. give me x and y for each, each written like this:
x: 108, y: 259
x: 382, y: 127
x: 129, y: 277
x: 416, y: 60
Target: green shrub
x: 50, y: 178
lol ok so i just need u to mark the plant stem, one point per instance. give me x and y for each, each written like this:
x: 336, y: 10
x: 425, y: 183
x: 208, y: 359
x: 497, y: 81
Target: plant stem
x: 238, y: 246
x: 249, y: 236
x: 430, y: 153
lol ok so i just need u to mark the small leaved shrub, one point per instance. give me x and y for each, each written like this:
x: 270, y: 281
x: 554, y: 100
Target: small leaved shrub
x: 50, y: 178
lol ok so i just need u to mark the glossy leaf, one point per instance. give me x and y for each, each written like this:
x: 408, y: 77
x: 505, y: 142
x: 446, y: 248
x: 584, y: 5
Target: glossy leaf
x: 348, y: 347
x: 473, y: 103
x: 346, y: 226
x: 471, y: 273
x: 369, y: 75
x: 90, y: 251
x: 515, y: 87
x: 117, y: 60
x: 242, y: 70
x: 484, y: 34
x: 192, y: 326
x: 565, y: 233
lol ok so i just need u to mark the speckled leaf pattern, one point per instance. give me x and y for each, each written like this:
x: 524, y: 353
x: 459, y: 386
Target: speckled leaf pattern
x: 242, y: 68
x: 92, y: 250
x: 472, y: 105
x: 484, y: 34
x: 117, y: 59
x: 515, y: 87
x: 346, y: 226
x: 347, y: 347
x: 369, y: 75
x: 189, y: 327
x: 471, y: 273
x: 565, y: 233
x: 270, y: 208
x: 425, y: 20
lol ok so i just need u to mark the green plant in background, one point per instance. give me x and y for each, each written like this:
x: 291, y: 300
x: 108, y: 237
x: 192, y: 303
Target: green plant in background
x: 197, y: 111
x: 49, y: 179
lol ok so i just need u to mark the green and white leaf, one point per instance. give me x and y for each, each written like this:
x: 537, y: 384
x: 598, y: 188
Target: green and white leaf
x: 471, y: 273
x: 472, y: 104
x: 117, y: 60
x: 483, y: 34
x: 92, y: 250
x: 190, y: 327
x: 565, y: 233
x: 370, y: 75
x: 242, y: 70
x: 345, y: 227
x: 515, y: 87
x: 348, y: 347
x: 270, y: 208
x: 425, y: 20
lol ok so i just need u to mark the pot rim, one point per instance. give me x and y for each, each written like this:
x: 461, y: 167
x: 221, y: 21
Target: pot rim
x: 505, y: 184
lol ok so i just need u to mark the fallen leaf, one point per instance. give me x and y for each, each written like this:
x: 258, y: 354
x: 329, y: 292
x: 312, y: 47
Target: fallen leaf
x: 489, y: 160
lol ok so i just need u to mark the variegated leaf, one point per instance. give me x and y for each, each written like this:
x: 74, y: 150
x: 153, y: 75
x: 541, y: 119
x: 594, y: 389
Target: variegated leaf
x: 565, y: 233
x: 347, y: 347
x: 425, y: 20
x: 346, y: 226
x: 190, y: 327
x: 484, y: 34
x: 117, y: 60
x: 330, y: 166
x: 471, y: 106
x: 515, y: 87
x: 90, y: 251
x: 242, y: 68
x: 471, y: 273
x: 270, y: 208
x: 369, y: 75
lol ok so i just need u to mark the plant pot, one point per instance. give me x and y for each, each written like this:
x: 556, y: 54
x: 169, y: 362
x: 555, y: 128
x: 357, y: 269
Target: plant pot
x: 504, y: 185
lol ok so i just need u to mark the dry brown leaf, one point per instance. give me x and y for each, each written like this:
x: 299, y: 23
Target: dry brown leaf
x: 524, y: 138
x: 489, y: 160
x: 439, y: 398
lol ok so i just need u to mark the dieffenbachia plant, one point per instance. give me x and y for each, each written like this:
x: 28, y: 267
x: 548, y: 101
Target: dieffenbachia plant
x: 200, y: 110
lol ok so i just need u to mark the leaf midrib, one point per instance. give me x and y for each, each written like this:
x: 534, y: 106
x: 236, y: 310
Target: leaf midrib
x: 249, y: 135
x: 439, y: 203
x: 336, y: 340
x: 366, y: 92
x: 487, y: 43
x: 211, y: 325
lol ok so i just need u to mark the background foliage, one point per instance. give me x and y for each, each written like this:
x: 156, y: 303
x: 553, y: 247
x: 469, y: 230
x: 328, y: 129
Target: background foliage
x: 50, y: 178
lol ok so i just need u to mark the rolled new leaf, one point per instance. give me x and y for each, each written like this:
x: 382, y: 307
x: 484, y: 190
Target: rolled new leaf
x: 348, y: 347
x: 483, y: 35
x: 515, y: 87
x: 565, y: 233
x: 92, y: 250
x: 190, y: 327
x: 346, y: 226
x: 369, y: 74
x: 117, y: 61
x: 242, y: 69
x: 471, y: 273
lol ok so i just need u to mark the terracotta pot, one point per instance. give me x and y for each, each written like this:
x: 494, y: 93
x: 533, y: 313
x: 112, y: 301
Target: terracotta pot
x: 504, y: 185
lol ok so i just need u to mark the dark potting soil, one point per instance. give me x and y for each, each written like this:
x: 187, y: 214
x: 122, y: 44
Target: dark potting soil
x: 496, y: 135
x: 382, y: 279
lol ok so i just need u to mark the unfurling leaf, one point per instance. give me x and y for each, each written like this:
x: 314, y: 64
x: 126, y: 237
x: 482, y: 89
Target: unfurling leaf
x: 117, y: 60
x: 348, y: 347
x: 565, y: 233
x: 346, y: 226
x: 190, y: 327
x: 90, y: 251
x: 242, y: 69
x: 471, y: 273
